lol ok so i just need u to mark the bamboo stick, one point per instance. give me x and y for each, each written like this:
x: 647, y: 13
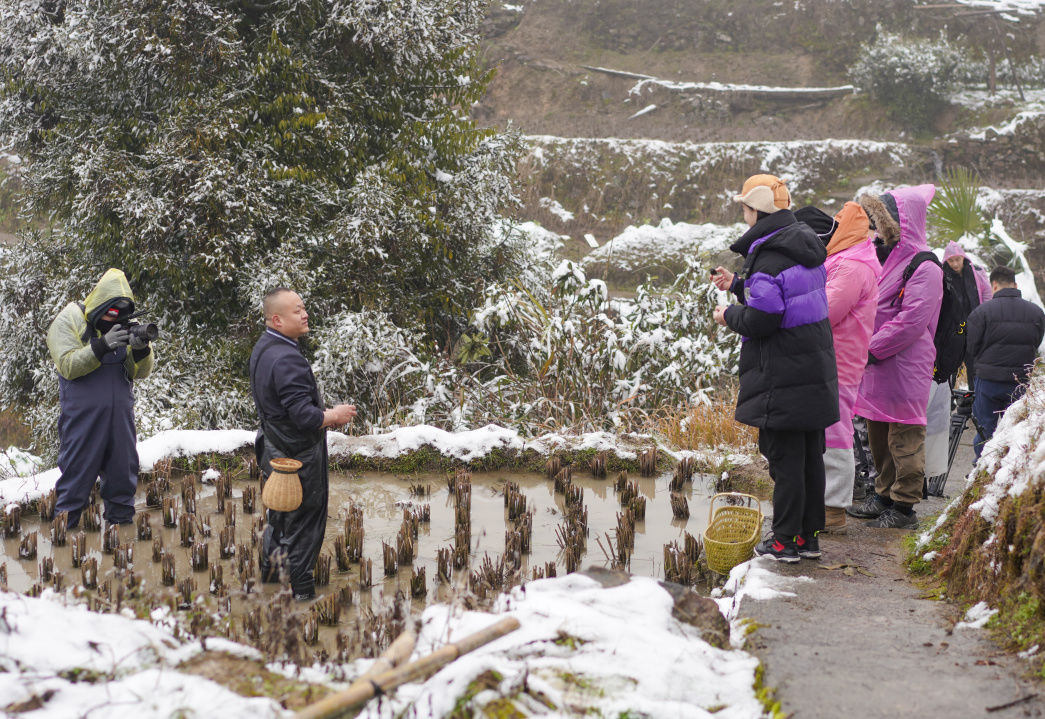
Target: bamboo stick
x: 397, y: 653
x: 363, y: 690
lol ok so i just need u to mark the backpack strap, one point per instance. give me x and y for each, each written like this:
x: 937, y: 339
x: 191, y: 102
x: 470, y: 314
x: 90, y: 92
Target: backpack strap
x: 912, y: 266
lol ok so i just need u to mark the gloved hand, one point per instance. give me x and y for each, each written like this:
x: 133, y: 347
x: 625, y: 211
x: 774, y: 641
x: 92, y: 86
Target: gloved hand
x: 138, y: 341
x: 116, y: 337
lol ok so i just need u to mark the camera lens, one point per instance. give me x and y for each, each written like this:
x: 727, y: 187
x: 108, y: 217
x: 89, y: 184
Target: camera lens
x: 147, y: 332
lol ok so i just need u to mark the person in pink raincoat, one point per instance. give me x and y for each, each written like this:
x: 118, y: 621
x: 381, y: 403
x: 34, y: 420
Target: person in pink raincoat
x: 852, y: 299
x: 894, y: 391
x: 973, y: 279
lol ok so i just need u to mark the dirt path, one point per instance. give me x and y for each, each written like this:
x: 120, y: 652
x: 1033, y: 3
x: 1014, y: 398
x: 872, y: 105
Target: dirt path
x: 865, y: 644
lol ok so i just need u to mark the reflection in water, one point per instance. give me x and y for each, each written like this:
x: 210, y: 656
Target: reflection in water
x: 383, y: 497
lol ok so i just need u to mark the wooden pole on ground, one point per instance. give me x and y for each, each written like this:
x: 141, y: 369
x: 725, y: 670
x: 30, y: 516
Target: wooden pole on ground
x: 365, y: 689
x: 397, y: 653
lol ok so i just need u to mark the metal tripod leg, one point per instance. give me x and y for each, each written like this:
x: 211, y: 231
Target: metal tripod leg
x: 957, y: 429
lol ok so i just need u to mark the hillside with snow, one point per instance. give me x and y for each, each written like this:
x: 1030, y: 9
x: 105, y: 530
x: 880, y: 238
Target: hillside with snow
x: 636, y: 116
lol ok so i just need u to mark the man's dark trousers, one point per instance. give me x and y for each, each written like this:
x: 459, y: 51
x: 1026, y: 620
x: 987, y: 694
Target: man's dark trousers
x: 796, y: 464
x: 990, y: 401
x: 296, y: 538
x: 97, y: 439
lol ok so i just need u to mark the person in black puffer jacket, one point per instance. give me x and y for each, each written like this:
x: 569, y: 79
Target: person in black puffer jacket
x: 1004, y: 334
x: 788, y: 379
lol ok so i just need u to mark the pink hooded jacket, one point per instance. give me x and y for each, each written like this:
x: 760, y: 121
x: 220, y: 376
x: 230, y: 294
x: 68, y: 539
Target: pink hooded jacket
x: 983, y: 283
x: 896, y: 388
x: 852, y: 298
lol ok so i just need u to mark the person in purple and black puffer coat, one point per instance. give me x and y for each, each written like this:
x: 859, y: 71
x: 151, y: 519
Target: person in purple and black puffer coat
x: 788, y: 379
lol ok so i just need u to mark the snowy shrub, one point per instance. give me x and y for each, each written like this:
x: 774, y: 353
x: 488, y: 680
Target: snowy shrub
x: 909, y: 77
x: 567, y: 356
x: 364, y: 358
x: 1029, y: 71
x: 211, y: 149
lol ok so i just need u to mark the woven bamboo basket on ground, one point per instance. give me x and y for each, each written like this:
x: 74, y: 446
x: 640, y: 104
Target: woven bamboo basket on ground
x: 282, y: 491
x: 733, y: 531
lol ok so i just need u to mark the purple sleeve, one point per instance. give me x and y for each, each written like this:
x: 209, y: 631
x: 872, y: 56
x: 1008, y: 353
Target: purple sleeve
x: 764, y: 311
x: 765, y: 293
x: 919, y: 309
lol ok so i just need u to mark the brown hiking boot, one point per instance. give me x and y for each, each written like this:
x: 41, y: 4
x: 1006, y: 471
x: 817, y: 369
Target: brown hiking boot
x: 835, y: 520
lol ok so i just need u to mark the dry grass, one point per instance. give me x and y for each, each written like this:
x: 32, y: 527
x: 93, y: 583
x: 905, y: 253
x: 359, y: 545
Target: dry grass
x: 14, y: 430
x: 704, y: 427
x: 1002, y: 560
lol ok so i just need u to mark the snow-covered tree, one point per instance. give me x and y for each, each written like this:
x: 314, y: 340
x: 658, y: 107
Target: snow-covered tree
x: 211, y: 149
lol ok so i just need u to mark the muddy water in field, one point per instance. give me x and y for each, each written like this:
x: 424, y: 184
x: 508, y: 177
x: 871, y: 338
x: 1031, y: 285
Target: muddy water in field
x: 383, y: 498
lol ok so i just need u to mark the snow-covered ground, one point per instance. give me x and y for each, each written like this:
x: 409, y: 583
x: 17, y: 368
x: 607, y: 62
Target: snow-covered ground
x: 795, y: 161
x: 1010, y: 9
x: 1007, y: 128
x: 15, y: 462
x: 589, y: 650
x: 624, y: 650
x: 30, y: 484
x: 592, y: 650
x: 733, y: 87
x: 1015, y: 456
x: 545, y: 243
x: 84, y: 664
x: 583, y: 647
x: 1033, y: 98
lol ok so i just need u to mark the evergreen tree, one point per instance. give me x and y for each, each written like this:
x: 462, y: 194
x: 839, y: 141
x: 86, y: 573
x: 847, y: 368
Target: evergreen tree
x: 212, y: 149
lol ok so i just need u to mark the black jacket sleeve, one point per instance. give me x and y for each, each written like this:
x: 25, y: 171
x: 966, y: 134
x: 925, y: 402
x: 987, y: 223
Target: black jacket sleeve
x: 295, y: 387
x: 751, y: 322
x: 974, y: 334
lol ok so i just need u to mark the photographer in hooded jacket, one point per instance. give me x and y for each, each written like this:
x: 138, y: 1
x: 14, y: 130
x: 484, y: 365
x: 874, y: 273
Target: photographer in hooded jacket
x: 99, y: 353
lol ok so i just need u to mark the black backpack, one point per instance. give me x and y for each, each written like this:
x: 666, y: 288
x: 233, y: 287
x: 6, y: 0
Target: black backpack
x: 949, y: 339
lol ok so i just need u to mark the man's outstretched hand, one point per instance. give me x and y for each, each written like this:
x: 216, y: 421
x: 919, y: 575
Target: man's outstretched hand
x: 339, y: 415
x: 722, y: 278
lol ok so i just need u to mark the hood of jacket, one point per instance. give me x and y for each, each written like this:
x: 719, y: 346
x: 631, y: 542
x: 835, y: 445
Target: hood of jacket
x: 913, y: 206
x: 111, y: 287
x: 782, y: 233
x: 907, y: 226
x: 863, y: 252
x: 903, y: 232
x: 853, y: 228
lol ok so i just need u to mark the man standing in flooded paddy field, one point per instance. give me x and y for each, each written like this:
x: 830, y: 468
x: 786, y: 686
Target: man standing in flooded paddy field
x: 293, y: 424
x: 98, y: 358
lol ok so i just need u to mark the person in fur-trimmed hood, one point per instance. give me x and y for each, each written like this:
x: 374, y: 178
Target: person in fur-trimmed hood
x: 894, y: 391
x: 788, y: 384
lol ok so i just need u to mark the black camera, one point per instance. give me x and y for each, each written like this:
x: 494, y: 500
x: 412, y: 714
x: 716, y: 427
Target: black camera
x: 147, y: 332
